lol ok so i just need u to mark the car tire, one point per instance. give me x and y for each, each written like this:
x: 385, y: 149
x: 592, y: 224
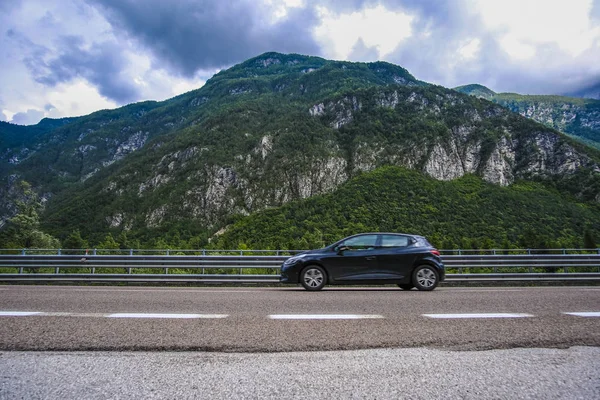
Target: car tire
x: 425, y: 277
x: 404, y: 286
x: 313, y: 278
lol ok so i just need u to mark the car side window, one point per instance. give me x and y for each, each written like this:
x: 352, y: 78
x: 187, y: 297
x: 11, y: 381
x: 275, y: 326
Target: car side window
x: 392, y: 241
x: 363, y: 242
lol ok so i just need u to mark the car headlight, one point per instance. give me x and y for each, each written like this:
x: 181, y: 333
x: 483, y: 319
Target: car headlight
x: 294, y: 259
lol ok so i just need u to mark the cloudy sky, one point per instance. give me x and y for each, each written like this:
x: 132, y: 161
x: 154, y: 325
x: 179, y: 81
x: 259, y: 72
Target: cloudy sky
x: 72, y: 57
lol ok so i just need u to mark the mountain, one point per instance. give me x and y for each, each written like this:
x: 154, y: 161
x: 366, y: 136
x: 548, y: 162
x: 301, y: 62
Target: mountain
x: 579, y: 118
x: 476, y: 90
x: 14, y: 139
x: 274, y: 129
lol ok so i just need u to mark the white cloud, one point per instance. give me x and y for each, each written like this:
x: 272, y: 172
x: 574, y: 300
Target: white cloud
x: 527, y: 23
x: 377, y: 27
x: 77, y: 98
x: 516, y: 48
x: 280, y: 7
x: 470, y: 49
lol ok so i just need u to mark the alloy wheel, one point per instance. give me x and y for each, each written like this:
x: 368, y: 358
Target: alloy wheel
x: 313, y: 278
x: 425, y: 278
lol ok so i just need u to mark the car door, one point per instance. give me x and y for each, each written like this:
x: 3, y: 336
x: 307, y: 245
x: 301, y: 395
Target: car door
x: 395, y: 257
x: 356, y: 259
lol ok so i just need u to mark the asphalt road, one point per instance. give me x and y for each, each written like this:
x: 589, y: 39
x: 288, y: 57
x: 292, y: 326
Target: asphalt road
x: 253, y: 319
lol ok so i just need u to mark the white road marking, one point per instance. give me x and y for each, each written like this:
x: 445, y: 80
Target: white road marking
x: 178, y: 316
x: 584, y: 314
x: 478, y: 315
x: 18, y: 313
x: 145, y: 290
x: 324, y: 316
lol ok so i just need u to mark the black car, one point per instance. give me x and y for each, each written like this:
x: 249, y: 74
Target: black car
x: 368, y: 258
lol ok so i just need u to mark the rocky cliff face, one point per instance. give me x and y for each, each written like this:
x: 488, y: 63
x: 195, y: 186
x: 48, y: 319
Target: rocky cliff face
x: 574, y: 116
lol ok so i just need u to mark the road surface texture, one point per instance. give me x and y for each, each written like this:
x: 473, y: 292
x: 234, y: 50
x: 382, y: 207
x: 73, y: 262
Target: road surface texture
x: 292, y: 319
x: 365, y: 374
x: 250, y: 342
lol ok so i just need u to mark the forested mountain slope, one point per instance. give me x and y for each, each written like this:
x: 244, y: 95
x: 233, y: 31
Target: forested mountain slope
x: 274, y: 129
x: 464, y: 213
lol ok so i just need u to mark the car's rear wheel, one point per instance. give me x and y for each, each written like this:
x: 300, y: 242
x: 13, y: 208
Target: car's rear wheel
x: 425, y: 277
x: 405, y: 286
x: 313, y: 277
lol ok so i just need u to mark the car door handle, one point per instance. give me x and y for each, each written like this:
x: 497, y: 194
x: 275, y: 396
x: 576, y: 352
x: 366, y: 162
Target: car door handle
x: 371, y: 258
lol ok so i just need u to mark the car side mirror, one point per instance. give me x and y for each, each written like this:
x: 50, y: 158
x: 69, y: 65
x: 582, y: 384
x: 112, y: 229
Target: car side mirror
x: 342, y: 248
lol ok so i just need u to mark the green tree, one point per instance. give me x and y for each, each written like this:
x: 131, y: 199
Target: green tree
x: 75, y: 241
x: 23, y: 230
x: 109, y: 243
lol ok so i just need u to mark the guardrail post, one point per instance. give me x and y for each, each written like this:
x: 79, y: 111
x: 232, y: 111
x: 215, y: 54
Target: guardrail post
x: 129, y: 268
x: 56, y: 270
x: 21, y: 267
x: 94, y: 253
x: 23, y: 252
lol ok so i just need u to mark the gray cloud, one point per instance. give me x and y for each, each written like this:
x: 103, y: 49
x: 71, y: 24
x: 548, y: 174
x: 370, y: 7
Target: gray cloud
x: 3, y: 116
x: 9, y: 5
x: 189, y: 35
x: 102, y: 64
x: 30, y: 117
x: 591, y: 91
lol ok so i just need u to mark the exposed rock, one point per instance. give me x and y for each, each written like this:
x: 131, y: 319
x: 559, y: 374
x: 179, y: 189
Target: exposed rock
x: 86, y: 149
x: 264, y: 146
x: 444, y: 163
x: 268, y: 61
x: 115, y: 221
x: 133, y: 143
x: 84, y: 134
x: 197, y: 101
x: 240, y: 90
x: 155, y: 217
x: 501, y: 163
x: 317, y: 110
x: 390, y: 100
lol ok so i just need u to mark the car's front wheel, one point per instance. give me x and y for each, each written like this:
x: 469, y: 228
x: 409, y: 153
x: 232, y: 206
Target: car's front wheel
x: 313, y: 277
x: 425, y: 277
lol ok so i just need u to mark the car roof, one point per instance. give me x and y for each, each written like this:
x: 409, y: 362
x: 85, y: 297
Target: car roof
x: 387, y: 233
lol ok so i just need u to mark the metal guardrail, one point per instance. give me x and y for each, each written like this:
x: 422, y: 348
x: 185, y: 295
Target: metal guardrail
x: 265, y: 268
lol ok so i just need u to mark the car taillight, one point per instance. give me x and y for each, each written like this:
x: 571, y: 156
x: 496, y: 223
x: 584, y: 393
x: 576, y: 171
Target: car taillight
x: 435, y: 252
